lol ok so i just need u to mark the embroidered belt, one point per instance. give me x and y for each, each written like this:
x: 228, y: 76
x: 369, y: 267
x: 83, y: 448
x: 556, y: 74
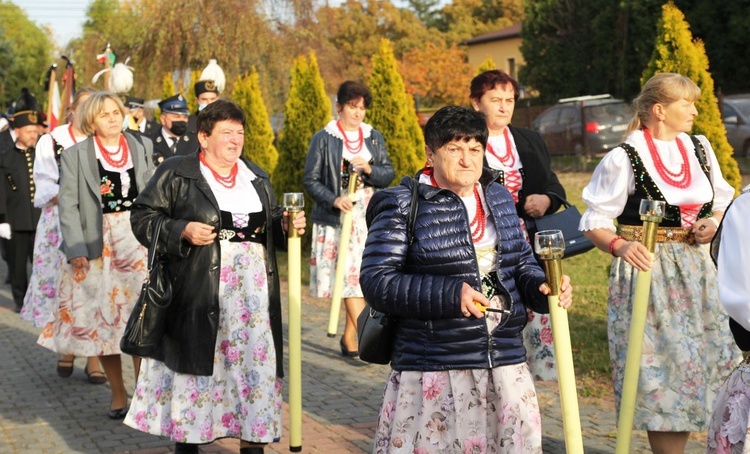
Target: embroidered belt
x: 239, y: 236
x: 663, y: 234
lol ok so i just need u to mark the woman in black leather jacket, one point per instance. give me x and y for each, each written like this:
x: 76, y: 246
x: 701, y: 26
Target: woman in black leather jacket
x: 459, y: 292
x: 345, y: 147
x: 219, y: 364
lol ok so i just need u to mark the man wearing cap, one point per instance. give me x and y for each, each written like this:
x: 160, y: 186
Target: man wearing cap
x: 136, y: 120
x: 207, y: 90
x: 18, y: 216
x: 173, y: 138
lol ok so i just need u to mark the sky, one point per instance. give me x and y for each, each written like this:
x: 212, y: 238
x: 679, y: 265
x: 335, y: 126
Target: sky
x: 66, y: 17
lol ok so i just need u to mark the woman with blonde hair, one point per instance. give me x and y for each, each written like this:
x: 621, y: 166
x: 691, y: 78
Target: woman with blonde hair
x: 687, y: 351
x: 99, y: 180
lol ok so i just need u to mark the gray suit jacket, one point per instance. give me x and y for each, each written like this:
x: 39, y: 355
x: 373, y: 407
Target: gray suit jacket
x: 80, y: 200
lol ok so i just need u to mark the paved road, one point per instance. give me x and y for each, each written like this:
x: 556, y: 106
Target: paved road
x: 40, y: 412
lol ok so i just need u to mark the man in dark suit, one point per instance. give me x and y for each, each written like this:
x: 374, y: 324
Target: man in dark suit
x: 173, y: 138
x: 18, y: 216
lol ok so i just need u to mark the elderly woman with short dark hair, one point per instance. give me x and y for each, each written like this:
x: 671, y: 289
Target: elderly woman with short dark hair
x: 219, y: 368
x: 458, y: 292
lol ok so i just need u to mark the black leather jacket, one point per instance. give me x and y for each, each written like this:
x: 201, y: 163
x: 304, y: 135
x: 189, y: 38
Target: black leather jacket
x: 420, y: 283
x: 323, y: 173
x: 179, y: 192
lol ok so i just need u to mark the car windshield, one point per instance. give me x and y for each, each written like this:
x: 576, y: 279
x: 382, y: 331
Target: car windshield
x: 743, y: 105
x: 612, y: 112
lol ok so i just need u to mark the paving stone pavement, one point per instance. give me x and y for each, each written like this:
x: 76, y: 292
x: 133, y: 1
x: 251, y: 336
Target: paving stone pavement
x: 42, y: 413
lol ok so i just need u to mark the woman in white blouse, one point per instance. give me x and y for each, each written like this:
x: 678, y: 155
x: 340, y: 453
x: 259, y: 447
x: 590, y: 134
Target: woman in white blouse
x: 686, y: 351
x: 40, y: 301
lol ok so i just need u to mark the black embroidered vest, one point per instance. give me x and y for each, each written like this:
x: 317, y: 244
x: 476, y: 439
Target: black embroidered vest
x: 645, y: 188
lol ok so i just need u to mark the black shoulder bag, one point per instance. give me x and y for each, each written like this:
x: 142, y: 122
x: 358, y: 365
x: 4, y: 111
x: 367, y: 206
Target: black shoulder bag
x: 147, y: 322
x: 375, y: 329
x: 567, y: 221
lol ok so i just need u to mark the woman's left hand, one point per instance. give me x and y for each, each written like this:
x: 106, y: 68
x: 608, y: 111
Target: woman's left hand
x: 536, y: 205
x: 705, y: 229
x: 566, y: 291
x: 298, y: 223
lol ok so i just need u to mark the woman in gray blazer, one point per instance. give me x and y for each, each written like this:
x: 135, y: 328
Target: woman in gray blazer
x: 99, y: 179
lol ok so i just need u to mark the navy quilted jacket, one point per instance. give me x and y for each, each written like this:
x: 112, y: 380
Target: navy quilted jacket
x: 421, y: 283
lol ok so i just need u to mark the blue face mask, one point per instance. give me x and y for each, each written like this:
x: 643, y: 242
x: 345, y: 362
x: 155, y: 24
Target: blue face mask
x: 201, y: 107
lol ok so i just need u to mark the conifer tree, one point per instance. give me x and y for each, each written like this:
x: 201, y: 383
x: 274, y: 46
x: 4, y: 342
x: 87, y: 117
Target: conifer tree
x: 487, y: 65
x: 676, y: 51
x: 189, y: 91
x: 259, y: 146
x: 393, y: 114
x: 307, y: 110
x: 167, y: 90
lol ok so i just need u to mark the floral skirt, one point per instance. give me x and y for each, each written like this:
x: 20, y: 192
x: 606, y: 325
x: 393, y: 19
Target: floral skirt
x: 242, y: 399
x: 40, y: 301
x: 481, y: 410
x: 729, y: 423
x: 325, y: 249
x: 687, y: 347
x: 540, y: 353
x: 93, y: 308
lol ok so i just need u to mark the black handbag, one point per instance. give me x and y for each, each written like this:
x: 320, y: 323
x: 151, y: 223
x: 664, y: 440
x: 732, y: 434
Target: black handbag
x: 567, y: 221
x: 375, y: 329
x: 147, y: 322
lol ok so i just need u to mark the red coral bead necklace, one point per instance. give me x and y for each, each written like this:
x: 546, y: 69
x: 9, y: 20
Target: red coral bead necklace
x: 354, y: 146
x: 508, y: 159
x: 478, y: 225
x: 110, y: 156
x: 681, y: 179
x: 227, y: 181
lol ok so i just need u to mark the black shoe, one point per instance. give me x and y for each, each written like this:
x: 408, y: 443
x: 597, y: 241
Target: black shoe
x: 118, y: 413
x: 185, y: 448
x: 345, y: 352
x: 17, y: 309
x: 251, y: 450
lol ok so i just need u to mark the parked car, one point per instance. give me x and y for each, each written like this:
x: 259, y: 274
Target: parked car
x: 601, y: 119
x: 736, y: 114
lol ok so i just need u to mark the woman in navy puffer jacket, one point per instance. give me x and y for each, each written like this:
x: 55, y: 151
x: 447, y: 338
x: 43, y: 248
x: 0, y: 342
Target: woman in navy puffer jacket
x: 459, y: 380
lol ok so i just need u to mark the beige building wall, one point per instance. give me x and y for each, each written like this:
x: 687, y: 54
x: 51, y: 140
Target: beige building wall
x: 505, y: 53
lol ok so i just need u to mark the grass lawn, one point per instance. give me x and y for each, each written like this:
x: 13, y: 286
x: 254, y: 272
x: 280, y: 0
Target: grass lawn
x: 589, y: 274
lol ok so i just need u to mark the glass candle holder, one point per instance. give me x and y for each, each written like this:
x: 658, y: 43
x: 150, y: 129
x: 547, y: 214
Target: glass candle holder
x: 294, y: 201
x: 652, y: 210
x: 549, y: 244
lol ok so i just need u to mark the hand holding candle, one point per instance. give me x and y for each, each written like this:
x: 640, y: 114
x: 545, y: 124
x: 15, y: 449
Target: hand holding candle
x: 550, y: 246
x: 652, y: 212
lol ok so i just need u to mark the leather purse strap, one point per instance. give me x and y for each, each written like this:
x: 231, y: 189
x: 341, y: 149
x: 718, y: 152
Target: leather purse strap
x: 154, y: 239
x: 565, y: 203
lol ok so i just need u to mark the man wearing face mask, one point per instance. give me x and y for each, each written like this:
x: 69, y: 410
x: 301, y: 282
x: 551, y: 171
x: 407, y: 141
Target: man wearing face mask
x: 173, y: 138
x: 207, y: 89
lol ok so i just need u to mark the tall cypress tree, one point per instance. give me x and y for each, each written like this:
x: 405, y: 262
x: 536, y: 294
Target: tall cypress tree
x: 675, y: 51
x: 307, y: 110
x: 394, y: 115
x: 259, y: 146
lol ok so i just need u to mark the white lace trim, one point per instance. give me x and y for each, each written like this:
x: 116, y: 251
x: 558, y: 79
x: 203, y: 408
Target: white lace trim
x: 333, y: 130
